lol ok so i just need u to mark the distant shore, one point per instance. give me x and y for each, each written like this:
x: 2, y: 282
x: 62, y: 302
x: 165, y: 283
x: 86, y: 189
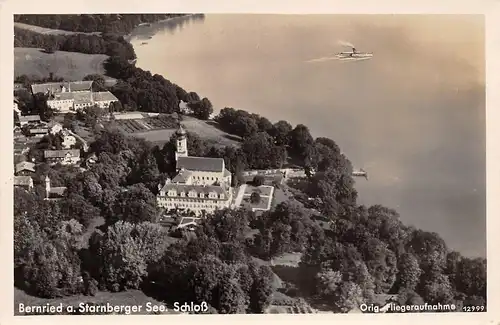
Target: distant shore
x: 130, y: 35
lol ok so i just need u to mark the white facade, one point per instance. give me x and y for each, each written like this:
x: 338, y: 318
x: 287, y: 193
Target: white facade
x: 55, y: 128
x: 201, y: 185
x: 16, y: 107
x: 61, y: 105
x: 68, y: 141
x: 63, y: 157
x: 65, y: 100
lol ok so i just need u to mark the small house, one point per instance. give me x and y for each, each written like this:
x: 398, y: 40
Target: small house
x: 29, y: 119
x: 25, y: 182
x: 25, y: 168
x: 63, y: 157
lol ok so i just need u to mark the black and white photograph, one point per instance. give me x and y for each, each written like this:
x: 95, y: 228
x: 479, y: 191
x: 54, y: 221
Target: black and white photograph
x: 195, y: 163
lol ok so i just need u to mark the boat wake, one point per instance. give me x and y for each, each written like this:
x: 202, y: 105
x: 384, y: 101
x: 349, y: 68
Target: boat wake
x: 330, y: 58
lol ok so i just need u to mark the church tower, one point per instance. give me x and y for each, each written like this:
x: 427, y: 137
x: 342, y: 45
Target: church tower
x: 182, y: 150
x: 47, y: 186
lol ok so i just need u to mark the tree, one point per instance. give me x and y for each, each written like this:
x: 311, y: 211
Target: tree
x: 281, y: 132
x: 49, y: 266
x: 109, y: 141
x: 258, y: 180
x: 409, y: 272
x: 261, y: 153
x: 99, y: 82
x: 231, y: 297
x: 202, y: 109
x: 261, y: 289
x: 437, y: 289
x: 255, y: 198
x: 125, y: 251
x: 429, y: 248
x: 136, y: 204
x: 409, y: 297
x: 327, y: 283
x: 349, y: 295
x: 470, y: 277
x: 301, y: 142
x: 40, y: 102
x: 74, y: 206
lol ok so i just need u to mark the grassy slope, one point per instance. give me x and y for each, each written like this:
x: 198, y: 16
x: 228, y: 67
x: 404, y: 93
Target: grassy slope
x: 68, y: 65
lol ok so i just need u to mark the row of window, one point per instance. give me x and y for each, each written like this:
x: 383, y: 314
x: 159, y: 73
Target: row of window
x: 184, y: 200
x: 193, y: 194
x: 208, y: 178
x: 193, y: 206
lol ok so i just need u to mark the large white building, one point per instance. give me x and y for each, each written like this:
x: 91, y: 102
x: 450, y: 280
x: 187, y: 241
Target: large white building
x: 67, y: 97
x: 201, y: 184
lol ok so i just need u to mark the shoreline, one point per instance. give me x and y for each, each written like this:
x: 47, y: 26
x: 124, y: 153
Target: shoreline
x: 128, y: 37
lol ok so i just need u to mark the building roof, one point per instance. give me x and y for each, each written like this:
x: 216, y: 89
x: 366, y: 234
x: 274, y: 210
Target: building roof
x: 22, y: 180
x: 57, y: 191
x: 103, y: 96
x: 53, y: 124
x: 182, y: 177
x: 181, y: 131
x: 61, y: 153
x: 84, y: 97
x: 29, y: 118
x: 201, y: 164
x: 55, y: 87
x: 20, y: 145
x: 39, y: 130
x: 196, y: 188
x: 64, y: 96
x: 25, y: 165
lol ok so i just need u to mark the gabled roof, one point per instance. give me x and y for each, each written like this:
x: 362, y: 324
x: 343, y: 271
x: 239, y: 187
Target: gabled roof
x: 63, y: 96
x: 201, y: 164
x: 82, y: 98
x: 55, y: 87
x: 182, y: 177
x: 22, y: 180
x: 29, y: 118
x: 57, y: 191
x: 39, y: 130
x: 61, y: 153
x: 102, y: 96
x: 25, y: 165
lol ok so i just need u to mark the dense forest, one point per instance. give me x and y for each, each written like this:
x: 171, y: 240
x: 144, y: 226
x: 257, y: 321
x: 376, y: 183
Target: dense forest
x: 121, y: 24
x: 360, y: 252
x: 109, y: 44
x: 143, y: 91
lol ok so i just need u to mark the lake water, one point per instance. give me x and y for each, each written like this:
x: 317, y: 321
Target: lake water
x: 413, y: 116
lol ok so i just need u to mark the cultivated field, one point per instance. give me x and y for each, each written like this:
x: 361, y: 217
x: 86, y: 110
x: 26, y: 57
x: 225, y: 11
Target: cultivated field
x: 144, y: 125
x: 49, y: 31
x: 67, y: 65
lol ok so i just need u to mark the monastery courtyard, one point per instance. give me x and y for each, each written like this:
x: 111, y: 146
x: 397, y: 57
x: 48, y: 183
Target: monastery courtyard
x: 244, y: 192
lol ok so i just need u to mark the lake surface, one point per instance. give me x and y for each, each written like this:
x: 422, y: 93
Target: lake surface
x: 413, y: 116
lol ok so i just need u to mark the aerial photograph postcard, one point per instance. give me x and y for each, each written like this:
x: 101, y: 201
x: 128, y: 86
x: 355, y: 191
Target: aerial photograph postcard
x: 202, y: 163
